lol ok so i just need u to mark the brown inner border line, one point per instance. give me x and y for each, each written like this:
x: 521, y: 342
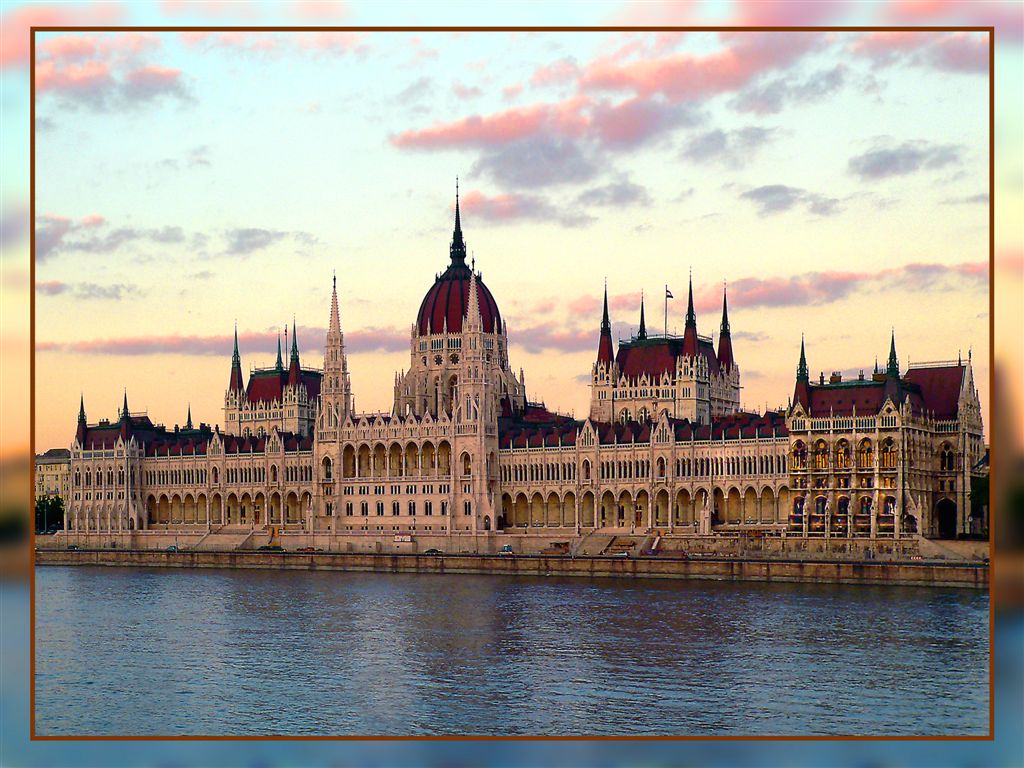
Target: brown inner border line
x: 34, y: 736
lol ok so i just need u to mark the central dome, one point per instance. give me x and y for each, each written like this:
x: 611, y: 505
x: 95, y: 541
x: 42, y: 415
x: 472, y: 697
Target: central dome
x: 446, y: 302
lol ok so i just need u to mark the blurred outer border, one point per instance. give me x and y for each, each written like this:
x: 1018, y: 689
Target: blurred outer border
x: 1007, y: 490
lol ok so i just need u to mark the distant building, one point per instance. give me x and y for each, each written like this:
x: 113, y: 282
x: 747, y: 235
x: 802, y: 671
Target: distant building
x: 53, y: 473
x: 463, y: 451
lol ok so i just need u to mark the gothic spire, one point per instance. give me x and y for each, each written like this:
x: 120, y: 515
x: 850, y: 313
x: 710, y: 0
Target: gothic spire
x: 293, y: 366
x: 124, y: 406
x: 605, y: 323
x: 457, y: 249
x: 642, y: 333
x: 690, y: 331
x: 725, y: 311
x: 279, y: 365
x: 802, y: 374
x: 605, y: 354
x: 81, y: 409
x: 188, y: 419
x: 892, y: 368
x: 691, y: 316
x: 235, y: 384
x: 725, y: 338
x: 335, y: 323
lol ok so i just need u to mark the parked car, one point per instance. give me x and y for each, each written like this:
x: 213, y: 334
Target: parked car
x: 271, y: 548
x: 433, y: 551
x: 306, y: 549
x: 72, y: 547
x: 172, y: 548
x: 506, y: 549
x: 619, y: 554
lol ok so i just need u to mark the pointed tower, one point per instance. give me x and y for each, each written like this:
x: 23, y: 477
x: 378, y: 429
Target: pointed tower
x: 235, y: 384
x: 279, y: 365
x: 690, y: 332
x: 188, y: 418
x: 294, y: 372
x: 892, y: 368
x: 336, y: 395
x: 802, y: 392
x: 642, y: 333
x: 457, y: 249
x: 83, y: 426
x: 125, y: 422
x: 725, y: 360
x: 605, y: 353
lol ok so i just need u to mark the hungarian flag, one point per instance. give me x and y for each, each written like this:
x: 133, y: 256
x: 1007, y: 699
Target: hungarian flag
x: 668, y: 293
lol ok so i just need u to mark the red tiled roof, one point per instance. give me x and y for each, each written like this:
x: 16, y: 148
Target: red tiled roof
x: 268, y: 386
x: 658, y: 355
x: 940, y: 388
x: 447, y: 300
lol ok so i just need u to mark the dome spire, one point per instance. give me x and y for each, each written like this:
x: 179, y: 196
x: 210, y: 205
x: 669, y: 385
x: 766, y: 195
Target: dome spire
x: 457, y: 249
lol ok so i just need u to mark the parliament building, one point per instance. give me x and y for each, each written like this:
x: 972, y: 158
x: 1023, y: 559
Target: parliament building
x: 666, y: 446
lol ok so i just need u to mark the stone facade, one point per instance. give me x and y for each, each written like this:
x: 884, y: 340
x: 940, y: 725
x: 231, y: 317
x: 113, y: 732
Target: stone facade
x: 666, y: 447
x: 53, y: 473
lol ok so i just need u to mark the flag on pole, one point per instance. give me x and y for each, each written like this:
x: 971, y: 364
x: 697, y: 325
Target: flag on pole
x: 668, y: 293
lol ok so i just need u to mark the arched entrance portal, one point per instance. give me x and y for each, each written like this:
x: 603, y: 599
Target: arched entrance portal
x: 945, y: 518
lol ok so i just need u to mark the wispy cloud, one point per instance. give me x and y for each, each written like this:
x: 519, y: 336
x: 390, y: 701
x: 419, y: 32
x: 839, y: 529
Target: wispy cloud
x: 508, y: 208
x: 887, y: 160
x: 87, y: 291
x: 775, y: 95
x: 734, y: 148
x: 779, y: 198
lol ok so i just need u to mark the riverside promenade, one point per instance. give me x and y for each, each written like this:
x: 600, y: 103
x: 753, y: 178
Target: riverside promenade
x: 973, y: 575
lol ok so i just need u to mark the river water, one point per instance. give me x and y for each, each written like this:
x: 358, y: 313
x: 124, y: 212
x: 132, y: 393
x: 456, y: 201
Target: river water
x: 134, y: 651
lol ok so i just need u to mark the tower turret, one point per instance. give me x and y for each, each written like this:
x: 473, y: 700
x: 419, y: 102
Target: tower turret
x: 725, y: 360
x: 801, y: 393
x: 642, y: 333
x: 82, y: 424
x: 293, y: 366
x: 690, y: 333
x: 279, y: 365
x: 892, y: 368
x: 235, y: 384
x: 605, y: 353
x: 457, y: 249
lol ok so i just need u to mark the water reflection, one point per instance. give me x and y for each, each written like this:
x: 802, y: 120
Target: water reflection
x: 137, y: 651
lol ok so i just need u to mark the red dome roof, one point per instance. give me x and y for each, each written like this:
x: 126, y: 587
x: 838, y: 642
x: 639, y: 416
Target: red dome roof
x: 446, y: 302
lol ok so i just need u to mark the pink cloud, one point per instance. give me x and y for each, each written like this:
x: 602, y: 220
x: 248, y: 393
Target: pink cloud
x: 561, y: 71
x: 87, y: 76
x: 15, y: 25
x: 562, y: 118
x: 509, y: 92
x: 1006, y: 17
x: 785, y: 13
x: 584, y: 305
x: 957, y: 51
x: 153, y: 79
x: 92, y: 220
x: 252, y: 42
x: 320, y: 9
x: 542, y: 337
x: 633, y: 121
x: 686, y: 76
x: 217, y: 9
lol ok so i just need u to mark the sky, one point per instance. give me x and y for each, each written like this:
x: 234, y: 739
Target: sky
x: 837, y: 183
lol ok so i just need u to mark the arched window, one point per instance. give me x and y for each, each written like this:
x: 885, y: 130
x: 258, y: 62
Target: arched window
x: 865, y: 455
x: 586, y: 469
x: 842, y: 455
x: 328, y: 468
x: 889, y: 454
x: 821, y: 455
x: 624, y: 415
x: 947, y: 458
x: 799, y: 456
